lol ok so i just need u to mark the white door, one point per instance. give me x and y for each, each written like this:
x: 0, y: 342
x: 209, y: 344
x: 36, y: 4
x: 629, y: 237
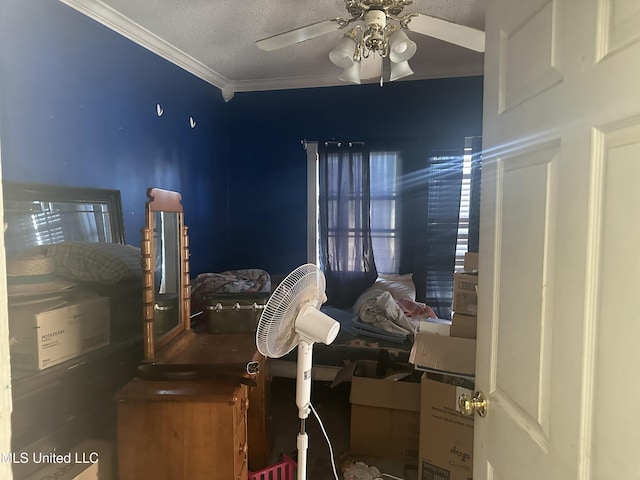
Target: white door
x: 559, y: 286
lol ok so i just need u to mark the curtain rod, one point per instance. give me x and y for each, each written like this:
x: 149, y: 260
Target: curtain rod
x: 305, y: 142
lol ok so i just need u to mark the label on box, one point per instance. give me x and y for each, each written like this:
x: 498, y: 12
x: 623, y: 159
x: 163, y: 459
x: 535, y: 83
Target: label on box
x: 433, y: 472
x: 45, y: 335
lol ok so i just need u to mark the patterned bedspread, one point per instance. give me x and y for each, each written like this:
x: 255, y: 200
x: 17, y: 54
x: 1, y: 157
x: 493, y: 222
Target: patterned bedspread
x: 250, y: 280
x: 207, y: 285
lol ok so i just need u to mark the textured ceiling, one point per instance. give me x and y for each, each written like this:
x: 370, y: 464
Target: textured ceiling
x: 215, y: 39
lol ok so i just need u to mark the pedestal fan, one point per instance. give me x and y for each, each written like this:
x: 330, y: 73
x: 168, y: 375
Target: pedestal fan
x: 291, y: 318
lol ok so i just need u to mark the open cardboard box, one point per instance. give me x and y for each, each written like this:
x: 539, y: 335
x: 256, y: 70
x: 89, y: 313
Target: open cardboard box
x: 443, y: 354
x: 464, y: 326
x: 385, y: 413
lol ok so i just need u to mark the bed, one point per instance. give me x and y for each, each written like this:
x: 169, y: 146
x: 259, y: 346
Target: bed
x: 379, y: 326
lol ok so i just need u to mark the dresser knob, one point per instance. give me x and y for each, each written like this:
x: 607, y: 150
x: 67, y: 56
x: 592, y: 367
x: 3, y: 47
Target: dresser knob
x: 246, y: 404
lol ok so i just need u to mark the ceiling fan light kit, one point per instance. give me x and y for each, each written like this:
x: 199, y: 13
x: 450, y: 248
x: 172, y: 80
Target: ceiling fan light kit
x: 351, y: 74
x: 376, y: 39
x: 401, y: 48
x: 400, y: 70
x: 361, y: 50
x: 342, y: 55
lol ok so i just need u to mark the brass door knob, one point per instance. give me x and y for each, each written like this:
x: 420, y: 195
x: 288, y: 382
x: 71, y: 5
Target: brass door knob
x: 470, y: 405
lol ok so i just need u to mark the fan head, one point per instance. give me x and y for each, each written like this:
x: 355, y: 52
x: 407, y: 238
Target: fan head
x: 293, y: 313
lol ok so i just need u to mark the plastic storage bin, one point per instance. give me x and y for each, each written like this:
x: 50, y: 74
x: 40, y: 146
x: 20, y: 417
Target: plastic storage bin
x: 283, y: 470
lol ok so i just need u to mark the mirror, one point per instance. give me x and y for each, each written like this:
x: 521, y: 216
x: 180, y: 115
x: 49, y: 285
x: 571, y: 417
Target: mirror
x: 38, y: 214
x: 165, y: 271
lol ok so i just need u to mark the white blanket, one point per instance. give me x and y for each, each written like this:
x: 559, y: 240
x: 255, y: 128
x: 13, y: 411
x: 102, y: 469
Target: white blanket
x: 379, y: 309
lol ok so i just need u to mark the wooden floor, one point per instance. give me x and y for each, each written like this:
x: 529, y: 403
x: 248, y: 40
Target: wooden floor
x: 332, y: 406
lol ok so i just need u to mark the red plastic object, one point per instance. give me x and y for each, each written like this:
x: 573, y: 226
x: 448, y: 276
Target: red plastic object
x: 284, y: 470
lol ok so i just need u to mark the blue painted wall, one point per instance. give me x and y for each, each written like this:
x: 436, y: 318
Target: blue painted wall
x: 78, y: 107
x: 267, y: 183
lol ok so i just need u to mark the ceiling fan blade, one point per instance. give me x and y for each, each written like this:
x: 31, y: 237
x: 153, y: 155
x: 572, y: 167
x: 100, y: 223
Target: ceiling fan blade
x: 371, y: 66
x: 462, y: 35
x: 300, y: 34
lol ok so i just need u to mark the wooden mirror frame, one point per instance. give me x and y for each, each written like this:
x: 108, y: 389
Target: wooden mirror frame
x: 163, y: 201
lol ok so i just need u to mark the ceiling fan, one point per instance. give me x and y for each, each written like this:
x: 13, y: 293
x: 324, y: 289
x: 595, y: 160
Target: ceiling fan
x: 362, y: 48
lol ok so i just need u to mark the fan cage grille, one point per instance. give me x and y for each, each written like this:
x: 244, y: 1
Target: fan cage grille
x: 276, y: 335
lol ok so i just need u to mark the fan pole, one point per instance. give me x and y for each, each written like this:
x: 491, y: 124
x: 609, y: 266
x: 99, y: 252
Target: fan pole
x: 303, y: 400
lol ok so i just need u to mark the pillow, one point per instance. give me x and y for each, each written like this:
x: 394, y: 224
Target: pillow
x: 398, y: 285
x: 105, y: 263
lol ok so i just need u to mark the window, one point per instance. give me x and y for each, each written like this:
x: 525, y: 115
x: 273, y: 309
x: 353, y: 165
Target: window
x: 462, y: 243
x: 47, y: 227
x: 385, y: 208
x: 438, y: 199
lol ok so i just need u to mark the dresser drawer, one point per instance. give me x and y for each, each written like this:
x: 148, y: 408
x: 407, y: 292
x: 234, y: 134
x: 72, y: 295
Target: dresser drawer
x: 241, y: 448
x: 240, y: 407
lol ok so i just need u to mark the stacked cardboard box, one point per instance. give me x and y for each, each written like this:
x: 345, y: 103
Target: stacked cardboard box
x: 446, y: 435
x: 465, y: 287
x: 465, y: 299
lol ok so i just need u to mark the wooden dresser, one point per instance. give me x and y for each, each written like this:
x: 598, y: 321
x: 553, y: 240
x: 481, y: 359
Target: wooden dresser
x: 214, y: 429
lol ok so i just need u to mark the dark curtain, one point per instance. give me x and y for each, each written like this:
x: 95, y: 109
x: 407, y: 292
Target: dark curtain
x: 346, y: 253
x: 444, y: 181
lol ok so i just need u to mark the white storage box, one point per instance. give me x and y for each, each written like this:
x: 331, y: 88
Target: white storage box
x: 47, y: 333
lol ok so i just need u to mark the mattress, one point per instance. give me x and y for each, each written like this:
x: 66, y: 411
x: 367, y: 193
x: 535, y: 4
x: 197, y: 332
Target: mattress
x: 350, y: 345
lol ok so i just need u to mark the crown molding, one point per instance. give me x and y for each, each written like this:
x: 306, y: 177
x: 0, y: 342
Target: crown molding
x: 285, y: 83
x: 121, y: 24
x: 117, y: 22
x: 288, y: 83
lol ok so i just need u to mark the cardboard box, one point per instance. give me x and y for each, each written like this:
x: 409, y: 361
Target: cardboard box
x: 465, y: 295
x: 464, y: 326
x: 452, y: 355
x: 446, y: 435
x: 89, y: 460
x: 385, y: 415
x: 48, y: 333
x: 470, y: 261
x: 435, y: 326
